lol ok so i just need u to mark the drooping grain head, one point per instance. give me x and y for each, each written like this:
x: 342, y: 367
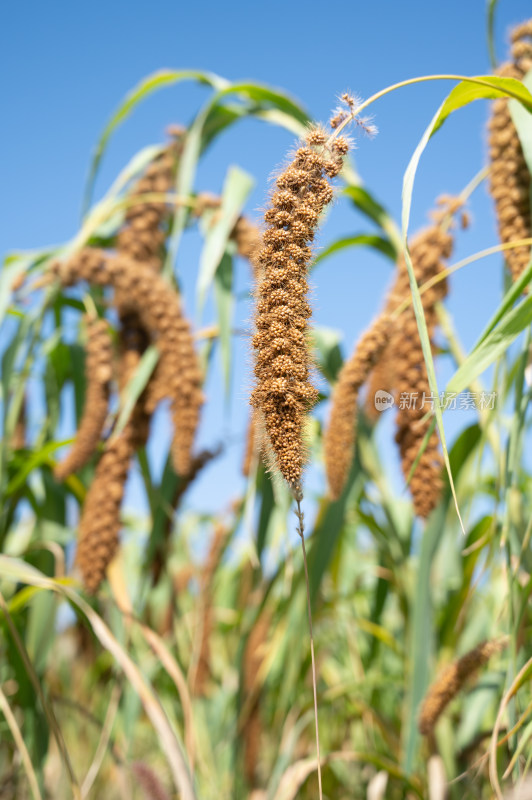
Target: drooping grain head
x: 509, y: 180
x: 202, y: 669
x: 18, y: 438
x: 159, y: 311
x: 339, y: 442
x: 451, y: 680
x: 99, y: 372
x: 247, y: 237
x: 380, y: 379
x: 100, y: 521
x: 254, y: 655
x: 141, y: 240
x: 283, y: 391
x: 411, y: 383
x: 143, y: 235
x: 99, y: 525
x: 252, y: 446
x: 177, y: 375
x: 401, y: 370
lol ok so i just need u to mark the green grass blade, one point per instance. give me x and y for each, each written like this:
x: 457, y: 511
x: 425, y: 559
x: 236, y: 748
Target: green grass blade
x: 408, y: 186
x: 492, y: 5
x: 514, y: 292
x: 364, y: 201
x: 522, y: 119
x: 422, y: 635
x: 237, y: 186
x: 46, y: 706
x: 267, y: 104
x: 136, y: 386
x: 423, y: 620
x: 21, y: 747
x: 492, y: 346
x: 481, y: 87
x: 37, y: 459
x: 19, y: 571
x: 225, y: 302
x: 380, y: 243
x: 329, y: 526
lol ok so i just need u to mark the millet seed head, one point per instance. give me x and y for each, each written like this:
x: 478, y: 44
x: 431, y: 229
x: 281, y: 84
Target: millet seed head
x: 509, y: 179
x: 98, y: 371
x: 283, y: 393
x: 339, y: 440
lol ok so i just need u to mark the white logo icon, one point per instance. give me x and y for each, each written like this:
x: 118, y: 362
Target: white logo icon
x: 383, y: 400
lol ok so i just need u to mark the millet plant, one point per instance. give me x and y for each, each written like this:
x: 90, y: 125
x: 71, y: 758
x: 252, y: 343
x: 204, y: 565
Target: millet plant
x: 152, y: 650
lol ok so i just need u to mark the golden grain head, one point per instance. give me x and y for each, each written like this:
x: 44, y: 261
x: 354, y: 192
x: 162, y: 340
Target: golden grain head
x: 451, y: 680
x: 283, y: 390
x: 99, y: 371
x: 339, y: 440
x: 509, y: 179
x: 428, y: 252
x: 100, y: 524
x: 158, y: 309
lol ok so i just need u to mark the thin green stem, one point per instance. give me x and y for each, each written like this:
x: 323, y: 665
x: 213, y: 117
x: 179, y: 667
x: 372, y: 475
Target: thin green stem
x: 422, y: 79
x: 459, y: 356
x: 301, y: 532
x: 441, y: 276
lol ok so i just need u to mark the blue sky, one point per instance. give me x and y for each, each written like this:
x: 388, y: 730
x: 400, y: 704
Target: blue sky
x: 67, y: 65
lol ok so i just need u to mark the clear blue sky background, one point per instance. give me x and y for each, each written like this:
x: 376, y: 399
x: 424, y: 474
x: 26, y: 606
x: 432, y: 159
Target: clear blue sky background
x: 65, y: 67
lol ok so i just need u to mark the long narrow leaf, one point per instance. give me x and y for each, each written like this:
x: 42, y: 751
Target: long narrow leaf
x: 379, y: 243
x: 23, y: 750
x: 481, y: 87
x: 494, y: 345
x: 223, y: 294
x: 18, y: 571
x: 136, y: 386
x: 146, y: 87
x: 266, y: 103
x: 408, y: 186
x: 492, y: 5
x: 522, y: 119
x: 237, y: 187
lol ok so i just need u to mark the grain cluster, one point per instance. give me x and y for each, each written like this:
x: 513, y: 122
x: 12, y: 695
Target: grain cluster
x: 98, y: 373
x: 283, y: 391
x: 509, y: 180
x: 339, y: 441
x: 401, y: 372
x: 451, y: 680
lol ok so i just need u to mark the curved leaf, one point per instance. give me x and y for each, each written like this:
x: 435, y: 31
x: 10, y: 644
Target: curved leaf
x: 152, y: 83
x: 408, y: 187
x: 269, y: 104
x: 224, y: 298
x: 465, y: 92
x: 522, y: 120
x: 136, y: 386
x: 479, y: 87
x: 17, y: 571
x: 237, y: 187
x: 492, y: 4
x: 368, y: 205
x: 379, y: 243
x: 492, y: 346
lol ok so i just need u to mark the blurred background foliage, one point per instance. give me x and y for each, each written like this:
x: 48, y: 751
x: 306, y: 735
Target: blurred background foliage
x: 188, y: 675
